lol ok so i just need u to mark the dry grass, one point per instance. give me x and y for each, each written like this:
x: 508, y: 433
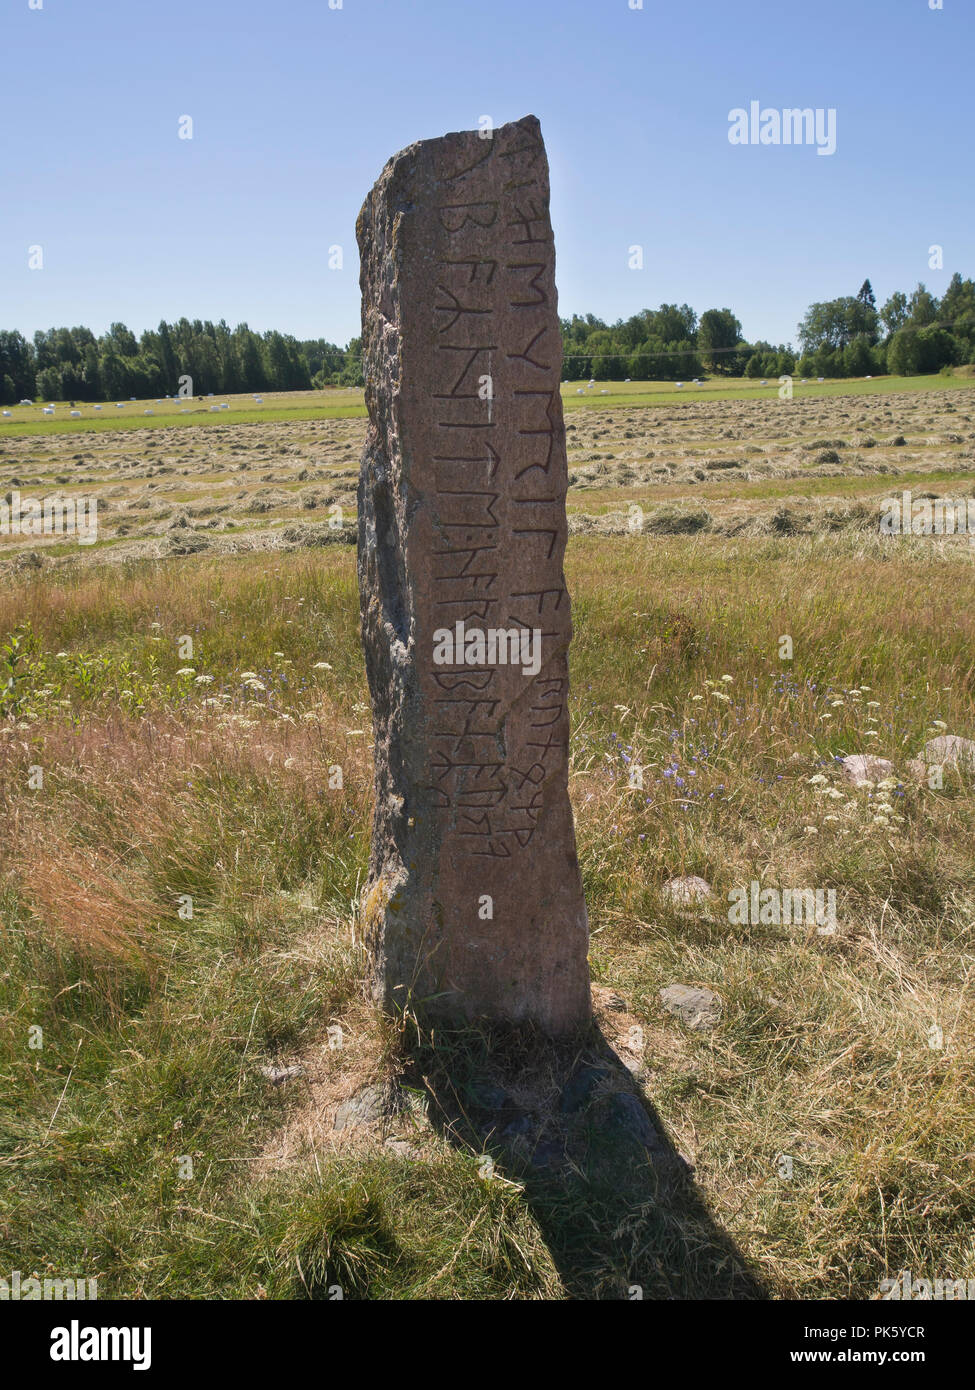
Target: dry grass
x: 850, y: 1054
x: 754, y: 465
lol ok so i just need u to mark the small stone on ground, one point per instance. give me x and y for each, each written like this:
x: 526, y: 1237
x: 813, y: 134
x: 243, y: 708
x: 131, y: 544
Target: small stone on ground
x: 697, y: 1008
x: 864, y: 769
x: 278, y: 1075
x: 689, y: 889
x: 364, y: 1108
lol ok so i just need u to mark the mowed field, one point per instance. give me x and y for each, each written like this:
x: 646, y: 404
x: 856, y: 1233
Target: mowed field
x: 178, y: 886
x: 734, y: 462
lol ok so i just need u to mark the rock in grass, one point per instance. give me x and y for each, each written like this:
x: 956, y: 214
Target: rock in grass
x: 864, y: 769
x: 364, y: 1108
x: 627, y: 1116
x: 696, y: 1008
x: 402, y: 1148
x: 520, y: 1126
x: 278, y: 1075
x: 685, y: 890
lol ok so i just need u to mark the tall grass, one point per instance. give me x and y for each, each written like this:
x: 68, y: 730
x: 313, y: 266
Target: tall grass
x: 155, y: 1024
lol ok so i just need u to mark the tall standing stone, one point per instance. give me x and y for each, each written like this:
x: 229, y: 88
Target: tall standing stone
x: 474, y: 905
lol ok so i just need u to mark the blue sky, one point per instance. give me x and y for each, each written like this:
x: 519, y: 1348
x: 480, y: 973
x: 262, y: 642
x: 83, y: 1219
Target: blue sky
x: 296, y: 108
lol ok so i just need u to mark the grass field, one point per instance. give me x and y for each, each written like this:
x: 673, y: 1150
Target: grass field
x: 333, y: 403
x: 140, y: 1140
x: 722, y: 464
x: 329, y: 404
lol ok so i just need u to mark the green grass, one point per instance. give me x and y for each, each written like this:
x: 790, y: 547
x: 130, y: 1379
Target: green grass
x: 335, y: 403
x: 635, y: 393
x: 155, y: 1027
x: 171, y: 419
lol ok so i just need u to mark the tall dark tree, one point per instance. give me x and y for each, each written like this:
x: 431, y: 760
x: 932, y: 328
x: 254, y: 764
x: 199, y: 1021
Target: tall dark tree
x: 17, y: 366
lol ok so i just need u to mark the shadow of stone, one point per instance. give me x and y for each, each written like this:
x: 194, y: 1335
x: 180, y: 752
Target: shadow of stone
x: 616, y: 1203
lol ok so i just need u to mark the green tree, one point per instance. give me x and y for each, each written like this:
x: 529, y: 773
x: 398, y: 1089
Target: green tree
x: 904, y: 353
x: 833, y: 323
x: 865, y: 295
x: 49, y: 384
x: 253, y: 373
x: 17, y: 363
x: 352, y: 370
x: 92, y: 388
x: 122, y: 340
x: 857, y: 357
x: 114, y: 375
x: 718, y: 332
x: 958, y: 310
x: 168, y: 360
x: 937, y: 348
x: 894, y: 313
x: 922, y: 307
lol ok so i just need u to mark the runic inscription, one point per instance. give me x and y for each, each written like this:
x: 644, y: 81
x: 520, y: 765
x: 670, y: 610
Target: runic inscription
x: 474, y: 906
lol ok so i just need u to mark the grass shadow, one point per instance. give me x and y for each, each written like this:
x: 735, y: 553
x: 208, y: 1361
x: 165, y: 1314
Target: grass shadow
x: 615, y: 1201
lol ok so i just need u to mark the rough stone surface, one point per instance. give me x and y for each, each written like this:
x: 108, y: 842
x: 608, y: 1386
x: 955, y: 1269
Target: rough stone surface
x: 625, y: 1113
x: 278, y: 1075
x: 697, y: 1008
x: 365, y: 1107
x: 864, y: 769
x: 462, y: 520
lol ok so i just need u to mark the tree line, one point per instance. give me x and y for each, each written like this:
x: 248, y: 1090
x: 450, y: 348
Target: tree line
x: 73, y: 364
x: 848, y: 336
x: 844, y: 337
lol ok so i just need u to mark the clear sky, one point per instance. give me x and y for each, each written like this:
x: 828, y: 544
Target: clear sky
x: 296, y: 107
